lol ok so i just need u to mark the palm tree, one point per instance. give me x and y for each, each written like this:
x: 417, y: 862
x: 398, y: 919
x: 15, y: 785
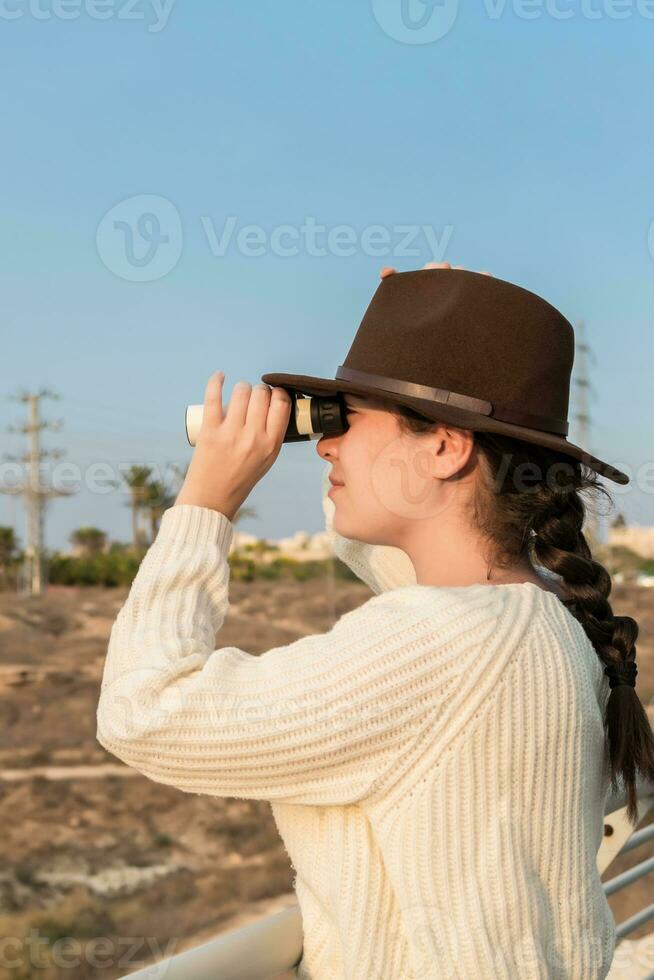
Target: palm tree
x: 136, y: 479
x: 157, y: 498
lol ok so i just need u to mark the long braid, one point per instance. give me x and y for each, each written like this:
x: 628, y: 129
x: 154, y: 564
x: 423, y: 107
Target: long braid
x: 560, y: 546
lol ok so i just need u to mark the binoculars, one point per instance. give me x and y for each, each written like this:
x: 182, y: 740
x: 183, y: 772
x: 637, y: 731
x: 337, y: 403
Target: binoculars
x: 311, y: 417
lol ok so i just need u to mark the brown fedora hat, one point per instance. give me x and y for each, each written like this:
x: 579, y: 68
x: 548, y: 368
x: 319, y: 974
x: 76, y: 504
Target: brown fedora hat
x: 466, y: 349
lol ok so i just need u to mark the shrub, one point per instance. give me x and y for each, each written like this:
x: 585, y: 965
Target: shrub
x: 241, y: 569
x: 113, y: 568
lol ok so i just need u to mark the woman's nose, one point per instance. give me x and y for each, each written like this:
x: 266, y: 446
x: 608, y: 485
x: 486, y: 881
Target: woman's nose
x: 326, y: 446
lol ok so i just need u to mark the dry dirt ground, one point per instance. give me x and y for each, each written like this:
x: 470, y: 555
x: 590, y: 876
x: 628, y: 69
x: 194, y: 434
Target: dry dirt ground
x: 91, y: 850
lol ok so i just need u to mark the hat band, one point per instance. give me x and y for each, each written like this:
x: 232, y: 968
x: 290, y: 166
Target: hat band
x: 452, y: 398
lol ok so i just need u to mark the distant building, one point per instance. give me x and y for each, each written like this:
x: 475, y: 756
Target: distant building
x: 301, y: 546
x: 637, y: 538
x: 240, y: 539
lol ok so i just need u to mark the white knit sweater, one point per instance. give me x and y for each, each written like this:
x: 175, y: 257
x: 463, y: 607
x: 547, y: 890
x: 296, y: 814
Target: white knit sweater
x: 434, y: 761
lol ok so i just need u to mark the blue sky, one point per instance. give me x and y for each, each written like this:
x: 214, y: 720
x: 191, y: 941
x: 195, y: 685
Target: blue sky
x: 521, y: 138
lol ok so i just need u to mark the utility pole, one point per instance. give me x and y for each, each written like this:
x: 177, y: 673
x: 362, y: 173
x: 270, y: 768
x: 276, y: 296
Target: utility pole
x: 35, y: 496
x: 582, y: 389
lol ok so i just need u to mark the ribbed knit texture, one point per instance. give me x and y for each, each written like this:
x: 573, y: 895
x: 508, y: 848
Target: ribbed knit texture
x: 435, y: 762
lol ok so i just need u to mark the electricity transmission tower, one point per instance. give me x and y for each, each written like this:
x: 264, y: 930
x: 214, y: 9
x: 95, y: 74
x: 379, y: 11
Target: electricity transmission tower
x: 582, y: 390
x: 35, y: 495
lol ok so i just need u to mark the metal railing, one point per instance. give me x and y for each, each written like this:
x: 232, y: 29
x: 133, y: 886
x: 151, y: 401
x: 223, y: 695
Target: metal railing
x: 272, y: 947
x: 619, y: 839
x: 262, y: 950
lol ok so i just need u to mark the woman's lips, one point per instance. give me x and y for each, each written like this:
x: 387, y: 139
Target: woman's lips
x: 335, y: 486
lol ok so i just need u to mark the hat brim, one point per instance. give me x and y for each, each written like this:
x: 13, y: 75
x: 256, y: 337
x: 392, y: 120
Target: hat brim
x: 306, y: 385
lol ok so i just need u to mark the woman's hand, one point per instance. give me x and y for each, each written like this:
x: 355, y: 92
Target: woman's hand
x: 388, y: 271
x: 235, y: 448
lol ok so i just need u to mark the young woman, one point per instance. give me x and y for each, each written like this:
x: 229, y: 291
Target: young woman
x: 438, y: 762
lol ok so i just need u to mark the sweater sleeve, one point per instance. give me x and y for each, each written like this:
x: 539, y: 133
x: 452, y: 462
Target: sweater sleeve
x: 381, y: 567
x: 318, y: 721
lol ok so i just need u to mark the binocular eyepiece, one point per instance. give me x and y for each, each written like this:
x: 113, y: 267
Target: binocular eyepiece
x: 311, y: 417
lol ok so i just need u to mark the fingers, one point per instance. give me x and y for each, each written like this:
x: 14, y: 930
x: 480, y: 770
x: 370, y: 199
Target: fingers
x: 279, y: 413
x: 388, y: 270
x: 257, y: 407
x: 267, y: 408
x: 264, y: 409
x: 238, y: 404
x: 212, y: 412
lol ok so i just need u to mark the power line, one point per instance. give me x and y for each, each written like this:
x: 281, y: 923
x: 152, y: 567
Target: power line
x: 36, y: 496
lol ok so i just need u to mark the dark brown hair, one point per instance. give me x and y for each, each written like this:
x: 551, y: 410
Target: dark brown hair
x: 529, y: 505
